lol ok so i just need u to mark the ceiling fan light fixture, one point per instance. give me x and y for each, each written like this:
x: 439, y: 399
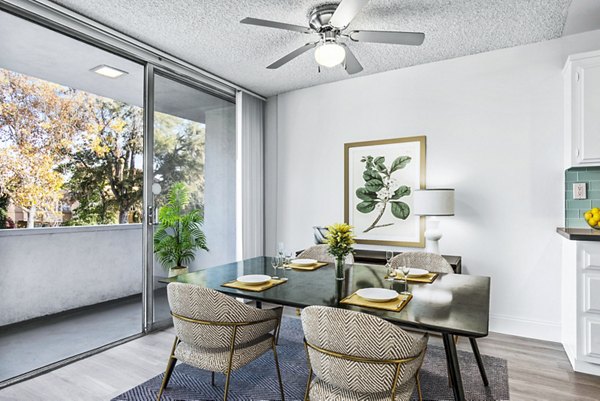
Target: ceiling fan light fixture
x: 330, y: 54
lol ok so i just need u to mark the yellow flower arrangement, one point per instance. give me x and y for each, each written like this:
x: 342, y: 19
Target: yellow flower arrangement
x: 340, y: 240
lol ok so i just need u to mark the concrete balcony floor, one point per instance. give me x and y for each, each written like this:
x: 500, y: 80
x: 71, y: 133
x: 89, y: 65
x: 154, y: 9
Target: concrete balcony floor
x: 39, y: 342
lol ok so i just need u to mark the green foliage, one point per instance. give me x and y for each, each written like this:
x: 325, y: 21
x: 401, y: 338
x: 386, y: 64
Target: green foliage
x: 4, y: 202
x: 179, y: 234
x: 340, y: 240
x: 381, y: 189
x: 179, y: 156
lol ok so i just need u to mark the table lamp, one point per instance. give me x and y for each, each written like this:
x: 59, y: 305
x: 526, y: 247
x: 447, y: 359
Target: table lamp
x: 432, y: 203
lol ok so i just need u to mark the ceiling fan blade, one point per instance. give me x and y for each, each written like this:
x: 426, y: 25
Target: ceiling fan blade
x: 275, y: 24
x: 346, y: 12
x: 292, y: 55
x: 393, y: 37
x: 352, y: 64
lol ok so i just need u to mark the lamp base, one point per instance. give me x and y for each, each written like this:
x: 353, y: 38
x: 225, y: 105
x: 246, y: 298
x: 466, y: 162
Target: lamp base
x: 432, y: 236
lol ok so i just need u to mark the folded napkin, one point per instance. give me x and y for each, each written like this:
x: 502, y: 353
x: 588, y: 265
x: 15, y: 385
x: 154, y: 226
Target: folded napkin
x: 395, y: 305
x: 255, y: 288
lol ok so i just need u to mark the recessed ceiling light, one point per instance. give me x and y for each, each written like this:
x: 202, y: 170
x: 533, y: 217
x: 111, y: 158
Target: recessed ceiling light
x: 108, y: 71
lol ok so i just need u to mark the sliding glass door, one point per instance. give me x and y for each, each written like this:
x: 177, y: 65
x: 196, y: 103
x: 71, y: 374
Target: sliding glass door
x: 191, y: 188
x: 93, y: 145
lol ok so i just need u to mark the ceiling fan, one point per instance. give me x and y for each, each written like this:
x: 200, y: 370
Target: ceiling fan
x: 329, y: 21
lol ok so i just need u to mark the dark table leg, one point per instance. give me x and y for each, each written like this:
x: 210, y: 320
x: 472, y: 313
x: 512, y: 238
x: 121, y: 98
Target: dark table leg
x: 480, y: 365
x: 259, y: 304
x: 452, y: 358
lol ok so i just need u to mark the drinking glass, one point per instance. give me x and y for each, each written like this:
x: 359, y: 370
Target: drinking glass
x: 289, y: 255
x: 280, y: 249
x: 275, y: 264
x: 405, y: 270
x: 389, y: 272
x: 388, y: 256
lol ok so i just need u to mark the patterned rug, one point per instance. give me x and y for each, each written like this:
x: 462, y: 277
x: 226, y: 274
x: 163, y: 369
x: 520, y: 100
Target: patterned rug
x: 258, y: 381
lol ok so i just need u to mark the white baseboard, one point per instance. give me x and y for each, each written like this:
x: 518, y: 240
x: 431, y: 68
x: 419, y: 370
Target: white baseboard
x: 538, y: 329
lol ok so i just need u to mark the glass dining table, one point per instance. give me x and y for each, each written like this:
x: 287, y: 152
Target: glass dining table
x: 454, y: 304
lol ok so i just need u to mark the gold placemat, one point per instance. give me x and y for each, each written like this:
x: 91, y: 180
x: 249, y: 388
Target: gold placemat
x: 307, y: 268
x: 428, y: 279
x: 256, y: 288
x: 395, y: 305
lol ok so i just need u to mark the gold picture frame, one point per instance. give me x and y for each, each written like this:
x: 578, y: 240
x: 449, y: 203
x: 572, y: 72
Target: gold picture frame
x: 414, y: 227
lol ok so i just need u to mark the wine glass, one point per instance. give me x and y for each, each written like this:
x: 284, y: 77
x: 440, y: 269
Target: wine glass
x: 388, y: 256
x: 280, y: 249
x: 390, y: 272
x: 405, y: 271
x: 289, y: 255
x: 275, y: 264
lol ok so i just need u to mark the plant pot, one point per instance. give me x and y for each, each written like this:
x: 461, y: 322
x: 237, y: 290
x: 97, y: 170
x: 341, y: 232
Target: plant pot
x: 340, y: 273
x: 176, y: 271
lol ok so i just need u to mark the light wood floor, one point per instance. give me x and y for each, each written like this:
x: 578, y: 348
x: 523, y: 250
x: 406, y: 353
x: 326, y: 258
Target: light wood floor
x: 538, y: 370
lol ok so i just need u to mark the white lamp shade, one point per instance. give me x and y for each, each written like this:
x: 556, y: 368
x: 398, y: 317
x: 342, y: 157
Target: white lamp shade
x: 433, y: 202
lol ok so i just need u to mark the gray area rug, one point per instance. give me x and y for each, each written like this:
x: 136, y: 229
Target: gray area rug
x: 258, y: 380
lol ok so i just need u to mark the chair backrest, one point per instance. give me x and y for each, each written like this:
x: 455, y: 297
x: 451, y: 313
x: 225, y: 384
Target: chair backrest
x: 320, y: 253
x: 429, y: 261
x: 359, y: 335
x: 197, y: 303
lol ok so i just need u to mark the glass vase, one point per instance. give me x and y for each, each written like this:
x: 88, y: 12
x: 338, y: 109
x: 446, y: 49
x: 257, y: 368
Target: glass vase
x: 340, y: 273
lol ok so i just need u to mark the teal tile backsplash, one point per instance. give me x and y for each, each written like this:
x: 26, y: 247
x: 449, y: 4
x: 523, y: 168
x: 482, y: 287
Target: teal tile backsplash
x: 575, y: 208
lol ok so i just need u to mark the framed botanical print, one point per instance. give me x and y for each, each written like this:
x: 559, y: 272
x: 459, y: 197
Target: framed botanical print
x: 380, y: 177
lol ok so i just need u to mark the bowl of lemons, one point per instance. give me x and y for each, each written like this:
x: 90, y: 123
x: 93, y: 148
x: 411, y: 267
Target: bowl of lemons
x: 592, y: 217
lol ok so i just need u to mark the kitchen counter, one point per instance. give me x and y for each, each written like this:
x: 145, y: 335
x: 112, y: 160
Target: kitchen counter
x: 579, y: 234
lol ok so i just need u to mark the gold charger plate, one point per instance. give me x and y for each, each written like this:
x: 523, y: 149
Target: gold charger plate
x: 307, y: 268
x: 255, y: 288
x: 428, y: 279
x: 395, y: 305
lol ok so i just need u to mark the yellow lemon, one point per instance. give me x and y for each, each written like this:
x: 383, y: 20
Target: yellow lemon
x: 593, y: 222
x: 587, y: 215
x: 595, y: 210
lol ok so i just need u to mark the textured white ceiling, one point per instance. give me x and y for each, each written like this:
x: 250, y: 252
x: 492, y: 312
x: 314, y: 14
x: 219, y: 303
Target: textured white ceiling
x: 209, y: 35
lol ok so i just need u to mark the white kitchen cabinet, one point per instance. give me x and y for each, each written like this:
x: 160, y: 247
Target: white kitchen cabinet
x: 581, y: 304
x: 582, y: 110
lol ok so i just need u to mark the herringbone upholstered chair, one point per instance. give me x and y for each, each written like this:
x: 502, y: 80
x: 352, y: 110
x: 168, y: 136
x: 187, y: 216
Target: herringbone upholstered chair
x: 356, y: 356
x: 437, y: 264
x: 217, y: 333
x: 319, y: 252
x: 429, y: 261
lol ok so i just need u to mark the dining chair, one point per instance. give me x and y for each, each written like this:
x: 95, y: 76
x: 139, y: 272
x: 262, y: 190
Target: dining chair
x: 437, y: 264
x: 355, y: 356
x: 218, y: 333
x: 320, y: 253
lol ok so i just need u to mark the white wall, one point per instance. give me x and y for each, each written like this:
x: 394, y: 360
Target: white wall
x: 50, y: 270
x: 494, y: 130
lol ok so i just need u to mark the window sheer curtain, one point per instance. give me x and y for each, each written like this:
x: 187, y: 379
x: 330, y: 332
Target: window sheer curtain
x: 250, y: 198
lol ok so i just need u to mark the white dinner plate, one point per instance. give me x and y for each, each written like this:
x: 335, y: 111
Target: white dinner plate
x: 377, y: 294
x: 414, y: 272
x: 254, y: 279
x: 304, y: 262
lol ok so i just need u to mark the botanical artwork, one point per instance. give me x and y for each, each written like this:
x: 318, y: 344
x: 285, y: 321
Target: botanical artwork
x: 380, y: 179
x: 382, y: 189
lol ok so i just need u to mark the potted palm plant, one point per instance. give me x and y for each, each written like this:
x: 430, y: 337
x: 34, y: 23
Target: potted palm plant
x: 179, y: 234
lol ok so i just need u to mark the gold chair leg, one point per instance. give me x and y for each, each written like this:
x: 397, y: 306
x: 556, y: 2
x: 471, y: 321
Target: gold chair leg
x: 298, y: 311
x: 307, y: 392
x: 419, y: 387
x: 277, y: 369
x: 170, y: 366
x: 456, y: 338
x: 231, y: 351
